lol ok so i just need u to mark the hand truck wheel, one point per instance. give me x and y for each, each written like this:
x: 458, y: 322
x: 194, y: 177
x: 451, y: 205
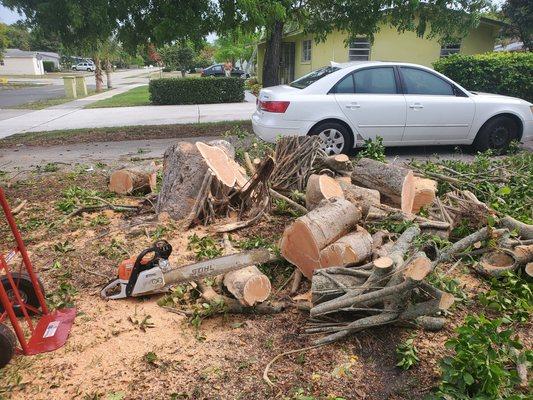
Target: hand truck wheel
x: 7, y: 345
x: 26, y: 290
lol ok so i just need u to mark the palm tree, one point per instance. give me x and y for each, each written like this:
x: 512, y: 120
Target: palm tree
x: 109, y: 51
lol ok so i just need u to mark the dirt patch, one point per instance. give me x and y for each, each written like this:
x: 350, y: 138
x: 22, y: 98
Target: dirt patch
x: 65, y: 137
x: 111, y: 352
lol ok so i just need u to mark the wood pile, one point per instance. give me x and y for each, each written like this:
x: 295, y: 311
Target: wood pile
x: 361, y: 276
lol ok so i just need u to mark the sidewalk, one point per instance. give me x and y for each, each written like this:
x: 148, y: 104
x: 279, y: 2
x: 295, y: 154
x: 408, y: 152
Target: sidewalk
x: 72, y: 116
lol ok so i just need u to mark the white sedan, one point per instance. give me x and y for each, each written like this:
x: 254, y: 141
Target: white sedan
x: 405, y: 104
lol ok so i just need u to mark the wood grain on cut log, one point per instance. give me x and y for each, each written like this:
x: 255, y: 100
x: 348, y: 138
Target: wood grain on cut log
x: 425, y: 193
x: 351, y: 249
x: 495, y: 263
x: 248, y: 285
x: 303, y: 240
x: 140, y: 179
x: 225, y: 168
x: 321, y: 187
x: 393, y: 181
x: 360, y: 196
x: 528, y: 269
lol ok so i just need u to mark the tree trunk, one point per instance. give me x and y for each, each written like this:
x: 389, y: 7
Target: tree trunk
x: 185, y: 173
x: 393, y: 181
x: 303, y: 240
x: 273, y: 56
x: 108, y: 71
x: 133, y: 180
x: 320, y: 187
x: 183, y: 72
x: 98, y: 75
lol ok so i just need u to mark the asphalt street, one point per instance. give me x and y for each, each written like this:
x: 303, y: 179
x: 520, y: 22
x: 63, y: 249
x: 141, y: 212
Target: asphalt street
x: 16, y: 97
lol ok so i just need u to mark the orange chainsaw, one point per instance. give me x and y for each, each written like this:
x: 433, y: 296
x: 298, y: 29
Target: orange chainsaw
x: 150, y: 272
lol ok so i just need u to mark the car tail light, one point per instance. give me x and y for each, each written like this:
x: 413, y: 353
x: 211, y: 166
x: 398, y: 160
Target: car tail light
x: 274, y: 106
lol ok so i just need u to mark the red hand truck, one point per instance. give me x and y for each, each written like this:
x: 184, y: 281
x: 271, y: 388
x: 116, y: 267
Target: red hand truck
x: 22, y: 295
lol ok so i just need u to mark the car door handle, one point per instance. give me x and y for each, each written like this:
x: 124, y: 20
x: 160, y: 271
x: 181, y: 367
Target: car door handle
x: 353, y: 106
x: 416, y: 106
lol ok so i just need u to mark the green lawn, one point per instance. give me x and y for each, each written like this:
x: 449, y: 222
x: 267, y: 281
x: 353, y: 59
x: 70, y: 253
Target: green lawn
x: 138, y: 96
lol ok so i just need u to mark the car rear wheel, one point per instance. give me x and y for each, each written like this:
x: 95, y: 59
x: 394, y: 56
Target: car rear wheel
x: 496, y: 135
x: 335, y: 137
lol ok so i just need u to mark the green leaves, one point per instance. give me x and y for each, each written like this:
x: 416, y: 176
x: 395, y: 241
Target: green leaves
x: 407, y: 354
x: 483, y: 363
x: 204, y: 248
x: 374, y: 149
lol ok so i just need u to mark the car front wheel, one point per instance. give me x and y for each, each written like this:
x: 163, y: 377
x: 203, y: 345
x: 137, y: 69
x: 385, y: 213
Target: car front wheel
x: 496, y: 135
x: 335, y: 137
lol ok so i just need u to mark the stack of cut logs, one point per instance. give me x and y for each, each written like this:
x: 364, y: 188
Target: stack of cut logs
x: 359, y: 280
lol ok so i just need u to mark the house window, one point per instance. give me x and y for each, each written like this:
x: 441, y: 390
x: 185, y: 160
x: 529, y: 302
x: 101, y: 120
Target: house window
x: 448, y: 49
x: 306, y: 50
x: 359, y: 49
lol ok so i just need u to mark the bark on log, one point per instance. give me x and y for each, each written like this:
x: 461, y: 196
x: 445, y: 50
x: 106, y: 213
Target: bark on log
x: 525, y: 231
x: 523, y: 254
x: 360, y: 196
x: 321, y: 187
x: 324, y: 289
x: 425, y: 193
x: 303, y: 240
x: 339, y: 163
x: 351, y: 249
x: 184, y: 170
x: 133, y: 179
x: 390, y: 180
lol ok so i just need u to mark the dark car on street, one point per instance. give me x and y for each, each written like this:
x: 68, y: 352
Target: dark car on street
x: 217, y: 70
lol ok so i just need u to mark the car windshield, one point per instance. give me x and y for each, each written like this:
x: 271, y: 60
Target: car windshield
x: 312, y: 77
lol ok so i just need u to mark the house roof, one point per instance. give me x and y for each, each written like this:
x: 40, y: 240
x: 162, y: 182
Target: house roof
x: 49, y: 54
x: 17, y: 53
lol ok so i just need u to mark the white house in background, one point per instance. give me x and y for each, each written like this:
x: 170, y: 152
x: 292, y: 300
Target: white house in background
x: 49, y: 56
x: 19, y: 62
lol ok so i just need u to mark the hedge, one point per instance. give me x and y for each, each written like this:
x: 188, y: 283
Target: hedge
x: 49, y: 66
x: 504, y: 73
x: 196, y: 90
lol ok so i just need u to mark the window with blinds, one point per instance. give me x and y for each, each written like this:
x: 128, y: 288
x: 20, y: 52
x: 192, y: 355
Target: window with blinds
x: 359, y: 49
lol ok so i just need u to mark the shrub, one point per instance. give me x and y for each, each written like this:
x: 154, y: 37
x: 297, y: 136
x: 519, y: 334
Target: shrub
x: 49, y: 66
x: 502, y: 73
x: 196, y: 90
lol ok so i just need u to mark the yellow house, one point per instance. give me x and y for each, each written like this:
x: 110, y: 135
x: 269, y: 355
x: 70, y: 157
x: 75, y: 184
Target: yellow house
x: 300, y: 54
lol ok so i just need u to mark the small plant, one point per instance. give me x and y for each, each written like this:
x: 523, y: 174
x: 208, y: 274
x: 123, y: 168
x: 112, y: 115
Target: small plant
x: 150, y: 358
x: 159, y: 233
x: 140, y: 150
x: 62, y: 297
x: 100, y: 219
x: 142, y: 322
x: 374, y: 149
x: 254, y: 242
x: 483, y: 363
x: 49, y: 167
x: 63, y: 247
x: 204, y: 248
x: 509, y: 295
x: 281, y: 207
x: 449, y: 285
x: 407, y: 354
x: 390, y: 225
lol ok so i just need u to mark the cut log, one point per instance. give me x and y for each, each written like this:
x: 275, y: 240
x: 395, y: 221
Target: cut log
x: 391, y: 180
x: 133, y: 180
x: 360, y: 196
x: 324, y: 289
x: 320, y: 187
x: 225, y: 168
x: 248, y: 285
x: 351, y: 249
x: 425, y: 193
x: 529, y: 269
x: 525, y: 231
x: 496, y: 263
x: 523, y: 254
x: 344, y: 179
x: 338, y: 163
x: 303, y: 240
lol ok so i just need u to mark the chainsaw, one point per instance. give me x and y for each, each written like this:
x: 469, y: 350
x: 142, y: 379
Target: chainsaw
x: 150, y: 272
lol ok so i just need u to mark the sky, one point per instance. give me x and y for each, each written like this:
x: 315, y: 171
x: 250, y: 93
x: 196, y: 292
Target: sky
x: 7, y: 16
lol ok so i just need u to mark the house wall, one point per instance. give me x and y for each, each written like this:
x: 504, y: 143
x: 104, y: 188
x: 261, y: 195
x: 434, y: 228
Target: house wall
x: 389, y: 45
x: 21, y: 66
